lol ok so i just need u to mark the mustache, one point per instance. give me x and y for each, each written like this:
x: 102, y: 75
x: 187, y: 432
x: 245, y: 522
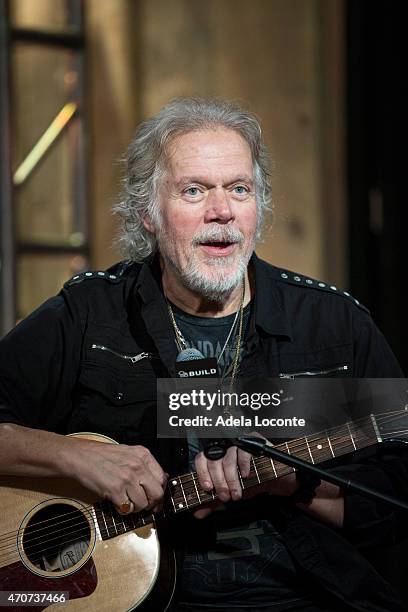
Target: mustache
x: 218, y: 234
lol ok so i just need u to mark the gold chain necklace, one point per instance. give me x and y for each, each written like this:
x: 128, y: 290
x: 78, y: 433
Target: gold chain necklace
x: 182, y: 344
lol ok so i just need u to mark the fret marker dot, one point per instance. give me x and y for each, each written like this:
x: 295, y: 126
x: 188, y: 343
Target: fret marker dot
x: 174, y: 482
x: 319, y: 447
x: 180, y: 505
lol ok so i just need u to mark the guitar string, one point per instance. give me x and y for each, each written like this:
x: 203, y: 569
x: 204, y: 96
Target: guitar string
x: 203, y: 493
x: 254, y: 481
x: 86, y: 529
x: 301, y: 443
x: 266, y: 460
x: 248, y: 481
x: 261, y: 463
x: 267, y: 465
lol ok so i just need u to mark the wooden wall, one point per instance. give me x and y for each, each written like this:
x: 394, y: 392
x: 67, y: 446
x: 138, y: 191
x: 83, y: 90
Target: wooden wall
x: 282, y: 59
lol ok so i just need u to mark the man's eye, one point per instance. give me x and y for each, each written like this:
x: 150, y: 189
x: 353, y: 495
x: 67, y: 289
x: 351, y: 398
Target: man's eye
x: 192, y: 191
x: 240, y: 189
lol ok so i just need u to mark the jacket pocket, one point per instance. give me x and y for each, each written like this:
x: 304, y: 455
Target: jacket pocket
x: 122, y: 356
x: 118, y: 402
x: 118, y: 386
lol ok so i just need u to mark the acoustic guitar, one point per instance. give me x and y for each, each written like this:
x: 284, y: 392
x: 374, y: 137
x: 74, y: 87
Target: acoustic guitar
x: 60, y: 547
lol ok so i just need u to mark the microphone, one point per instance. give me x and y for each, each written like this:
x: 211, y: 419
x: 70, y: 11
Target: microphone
x: 190, y: 362
x: 189, y: 354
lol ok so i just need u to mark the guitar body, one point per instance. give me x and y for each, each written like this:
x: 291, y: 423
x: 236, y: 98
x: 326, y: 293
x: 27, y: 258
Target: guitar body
x: 50, y: 540
x: 56, y: 537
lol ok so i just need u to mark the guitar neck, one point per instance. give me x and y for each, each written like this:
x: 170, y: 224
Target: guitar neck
x: 185, y: 493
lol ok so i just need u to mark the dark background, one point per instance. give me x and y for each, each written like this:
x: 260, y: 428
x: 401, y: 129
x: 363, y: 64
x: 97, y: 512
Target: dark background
x: 377, y: 104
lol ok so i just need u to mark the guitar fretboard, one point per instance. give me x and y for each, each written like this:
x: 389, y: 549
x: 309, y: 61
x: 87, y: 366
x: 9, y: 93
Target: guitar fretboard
x: 185, y: 493
x: 112, y: 524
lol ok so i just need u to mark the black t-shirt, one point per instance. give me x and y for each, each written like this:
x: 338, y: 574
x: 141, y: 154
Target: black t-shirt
x: 235, y: 558
x: 214, y: 337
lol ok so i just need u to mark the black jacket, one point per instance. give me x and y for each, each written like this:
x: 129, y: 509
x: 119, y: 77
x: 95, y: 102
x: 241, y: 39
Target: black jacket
x: 88, y: 360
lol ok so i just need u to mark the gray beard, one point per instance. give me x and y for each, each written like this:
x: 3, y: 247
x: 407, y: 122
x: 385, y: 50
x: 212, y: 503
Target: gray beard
x: 219, y: 288
x: 214, y: 289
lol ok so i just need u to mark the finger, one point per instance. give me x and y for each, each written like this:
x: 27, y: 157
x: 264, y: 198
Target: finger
x: 119, y: 497
x: 204, y: 476
x: 126, y: 507
x: 231, y: 474
x: 147, y: 491
x: 211, y: 476
x: 159, y: 506
x: 216, y: 470
x: 134, y: 493
x: 244, y: 463
x: 155, y: 469
x: 204, y: 512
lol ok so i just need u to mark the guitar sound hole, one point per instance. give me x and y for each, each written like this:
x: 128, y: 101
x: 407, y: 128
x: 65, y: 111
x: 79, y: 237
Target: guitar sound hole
x: 56, y: 537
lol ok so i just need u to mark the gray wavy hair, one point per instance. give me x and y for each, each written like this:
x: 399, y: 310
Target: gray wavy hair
x: 146, y: 157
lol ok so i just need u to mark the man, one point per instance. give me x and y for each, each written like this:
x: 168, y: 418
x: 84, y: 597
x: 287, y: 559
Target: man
x: 196, y: 188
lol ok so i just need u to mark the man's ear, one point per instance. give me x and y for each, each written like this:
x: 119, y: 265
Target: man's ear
x: 148, y: 224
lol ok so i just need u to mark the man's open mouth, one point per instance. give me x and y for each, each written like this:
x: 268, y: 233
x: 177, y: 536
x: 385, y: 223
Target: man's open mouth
x: 218, y: 244
x: 218, y: 248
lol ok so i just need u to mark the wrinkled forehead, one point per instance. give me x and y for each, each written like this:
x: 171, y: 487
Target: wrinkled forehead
x: 210, y: 148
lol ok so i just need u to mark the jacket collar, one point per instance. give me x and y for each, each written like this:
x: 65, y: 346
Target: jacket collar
x: 154, y: 312
x: 269, y: 313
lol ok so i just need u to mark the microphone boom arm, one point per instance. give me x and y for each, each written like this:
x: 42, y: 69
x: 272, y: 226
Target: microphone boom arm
x: 257, y: 446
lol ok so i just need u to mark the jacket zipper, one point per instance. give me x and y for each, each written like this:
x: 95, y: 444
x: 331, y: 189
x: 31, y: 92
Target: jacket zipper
x: 342, y: 368
x: 132, y: 358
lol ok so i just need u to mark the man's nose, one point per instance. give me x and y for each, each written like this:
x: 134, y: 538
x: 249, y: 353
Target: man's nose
x: 218, y: 206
